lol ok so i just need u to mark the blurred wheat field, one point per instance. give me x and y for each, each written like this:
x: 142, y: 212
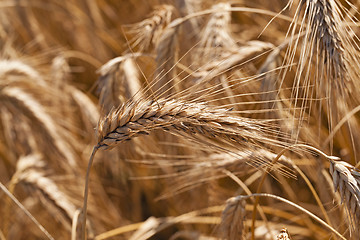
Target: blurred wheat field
x: 196, y: 119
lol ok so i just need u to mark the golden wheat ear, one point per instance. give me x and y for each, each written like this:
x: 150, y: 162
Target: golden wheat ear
x: 147, y: 32
x: 233, y: 219
x: 216, y: 36
x: 193, y: 119
x: 118, y: 82
x: 136, y: 118
x: 23, y: 166
x: 328, y: 63
x: 346, y: 179
x: 31, y: 173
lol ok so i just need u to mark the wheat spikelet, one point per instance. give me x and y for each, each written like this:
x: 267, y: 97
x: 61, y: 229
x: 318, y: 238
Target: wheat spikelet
x: 148, y: 31
x: 233, y: 219
x: 346, y: 179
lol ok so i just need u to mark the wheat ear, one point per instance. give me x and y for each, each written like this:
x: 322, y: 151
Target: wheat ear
x: 134, y: 119
x: 10, y: 68
x: 216, y: 36
x: 29, y: 171
x: 346, y: 179
x: 233, y: 219
x: 86, y: 193
x: 148, y: 31
x: 141, y: 117
x: 328, y: 56
x: 118, y: 82
x: 34, y: 111
x: 50, y: 195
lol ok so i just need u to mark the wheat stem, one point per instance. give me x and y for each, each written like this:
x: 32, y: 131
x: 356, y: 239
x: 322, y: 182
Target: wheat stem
x: 86, y: 191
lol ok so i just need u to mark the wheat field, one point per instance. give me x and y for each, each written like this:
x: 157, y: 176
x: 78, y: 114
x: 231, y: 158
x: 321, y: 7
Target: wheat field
x: 179, y: 120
